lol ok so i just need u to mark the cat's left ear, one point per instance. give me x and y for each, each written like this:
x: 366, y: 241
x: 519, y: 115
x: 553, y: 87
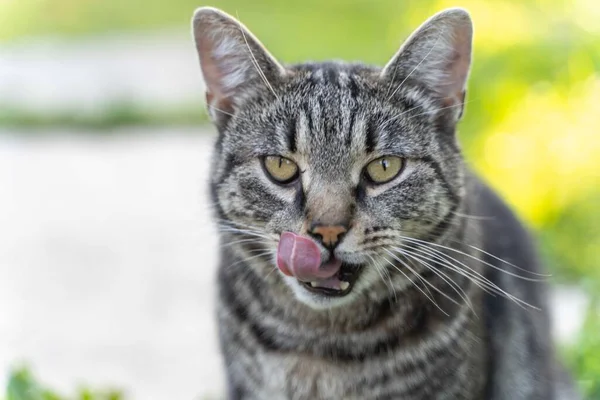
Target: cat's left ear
x: 437, y: 56
x: 234, y: 63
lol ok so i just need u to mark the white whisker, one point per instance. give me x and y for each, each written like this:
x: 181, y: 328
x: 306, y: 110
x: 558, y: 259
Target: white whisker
x: 411, y: 281
x: 441, y: 108
x: 264, y: 253
x: 470, y: 273
x: 270, y: 272
x: 474, y: 217
x: 480, y: 260
x: 256, y: 65
x: 416, y: 66
x: 478, y: 278
x: 226, y: 113
x: 395, y: 117
x: 241, y: 241
x: 378, y: 267
x: 228, y: 229
x: 443, y: 276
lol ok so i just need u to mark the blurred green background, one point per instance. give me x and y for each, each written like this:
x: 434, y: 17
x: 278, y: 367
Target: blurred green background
x: 531, y: 128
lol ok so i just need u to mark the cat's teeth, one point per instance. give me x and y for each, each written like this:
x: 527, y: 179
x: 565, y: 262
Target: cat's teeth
x: 314, y: 284
x: 344, y: 285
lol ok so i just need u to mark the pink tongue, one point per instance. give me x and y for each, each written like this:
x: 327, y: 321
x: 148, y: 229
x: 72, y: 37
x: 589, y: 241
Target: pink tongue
x: 300, y: 256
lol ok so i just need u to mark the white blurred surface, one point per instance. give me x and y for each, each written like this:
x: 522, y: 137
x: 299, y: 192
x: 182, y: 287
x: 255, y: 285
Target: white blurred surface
x: 107, y: 262
x: 569, y: 307
x: 151, y: 71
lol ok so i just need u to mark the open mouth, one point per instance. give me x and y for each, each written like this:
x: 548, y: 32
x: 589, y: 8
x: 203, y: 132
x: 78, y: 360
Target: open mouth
x: 339, y: 284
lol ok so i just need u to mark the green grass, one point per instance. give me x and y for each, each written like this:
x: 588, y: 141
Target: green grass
x: 22, y: 385
x: 117, y: 115
x: 583, y: 358
x: 569, y: 242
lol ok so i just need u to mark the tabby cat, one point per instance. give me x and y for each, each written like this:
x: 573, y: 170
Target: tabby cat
x: 360, y: 257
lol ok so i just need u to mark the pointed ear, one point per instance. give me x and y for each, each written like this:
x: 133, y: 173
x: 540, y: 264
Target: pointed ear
x: 234, y: 63
x: 438, y: 56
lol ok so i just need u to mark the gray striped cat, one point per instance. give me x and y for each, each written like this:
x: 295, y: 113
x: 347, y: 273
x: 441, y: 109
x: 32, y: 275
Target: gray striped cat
x: 361, y: 258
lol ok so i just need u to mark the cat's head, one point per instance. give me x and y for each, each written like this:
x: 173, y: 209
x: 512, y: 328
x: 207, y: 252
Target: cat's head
x: 339, y: 163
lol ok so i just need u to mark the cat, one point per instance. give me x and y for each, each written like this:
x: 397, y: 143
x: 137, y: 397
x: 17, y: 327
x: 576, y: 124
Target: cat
x: 360, y: 257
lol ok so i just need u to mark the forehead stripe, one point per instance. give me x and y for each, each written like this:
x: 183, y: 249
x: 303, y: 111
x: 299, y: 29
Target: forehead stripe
x: 290, y: 131
x: 370, y: 135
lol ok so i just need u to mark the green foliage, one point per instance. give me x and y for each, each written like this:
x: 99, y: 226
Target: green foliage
x: 22, y: 385
x: 116, y: 115
x: 583, y: 358
x: 570, y: 242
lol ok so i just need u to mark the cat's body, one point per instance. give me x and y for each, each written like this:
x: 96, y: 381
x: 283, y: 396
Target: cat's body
x: 278, y: 351
x: 417, y: 249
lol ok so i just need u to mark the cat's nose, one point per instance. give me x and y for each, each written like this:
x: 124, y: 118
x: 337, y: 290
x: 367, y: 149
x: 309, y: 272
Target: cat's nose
x: 329, y: 235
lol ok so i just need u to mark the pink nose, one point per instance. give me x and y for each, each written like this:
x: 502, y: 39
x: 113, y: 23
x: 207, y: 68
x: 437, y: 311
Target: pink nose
x: 300, y: 256
x: 330, y: 234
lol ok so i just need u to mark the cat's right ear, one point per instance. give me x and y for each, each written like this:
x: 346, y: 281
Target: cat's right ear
x: 234, y: 63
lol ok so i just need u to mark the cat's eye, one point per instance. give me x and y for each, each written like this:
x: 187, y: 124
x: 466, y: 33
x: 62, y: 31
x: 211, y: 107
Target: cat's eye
x: 280, y: 169
x: 384, y: 169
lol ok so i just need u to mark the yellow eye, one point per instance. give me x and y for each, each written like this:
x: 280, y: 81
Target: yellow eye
x: 281, y: 169
x: 384, y: 169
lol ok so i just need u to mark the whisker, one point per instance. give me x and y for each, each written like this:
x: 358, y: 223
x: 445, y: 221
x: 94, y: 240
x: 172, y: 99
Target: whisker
x: 226, y: 113
x: 443, y: 276
x: 442, y: 108
x: 474, y: 217
x: 234, y: 224
x: 472, y: 275
x: 264, y: 253
x: 270, y: 272
x: 238, y: 223
x: 389, y: 276
x: 478, y: 278
x: 539, y: 275
x: 425, y: 280
x: 480, y: 260
x: 482, y: 282
x: 227, y: 229
x: 411, y: 281
x: 228, y: 244
x: 377, y: 268
x: 395, y: 117
x: 416, y: 67
x: 256, y: 65
x: 512, y: 265
x: 387, y: 92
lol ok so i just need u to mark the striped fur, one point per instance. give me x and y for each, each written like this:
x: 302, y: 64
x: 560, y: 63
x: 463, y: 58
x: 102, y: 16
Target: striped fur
x: 418, y: 323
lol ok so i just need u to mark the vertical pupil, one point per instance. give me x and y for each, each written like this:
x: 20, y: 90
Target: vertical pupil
x: 384, y: 164
x: 280, y: 161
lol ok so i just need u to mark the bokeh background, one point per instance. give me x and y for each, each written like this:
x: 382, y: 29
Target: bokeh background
x: 106, y: 250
